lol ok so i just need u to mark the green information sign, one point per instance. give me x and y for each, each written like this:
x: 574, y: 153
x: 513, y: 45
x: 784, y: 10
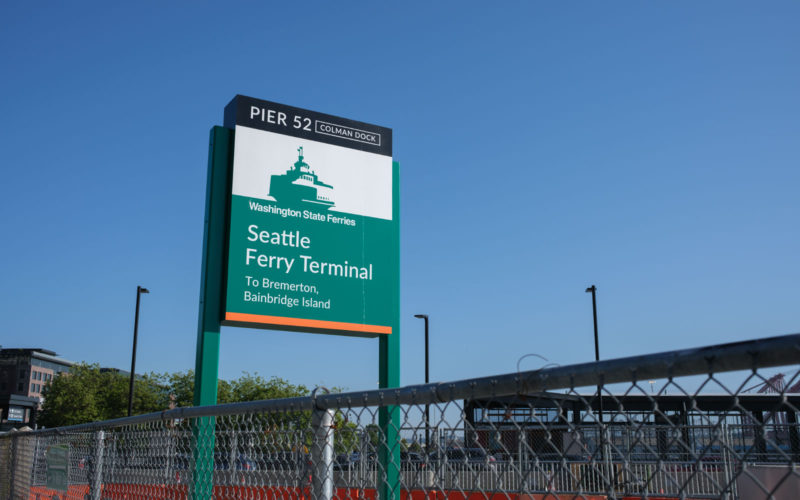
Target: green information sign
x: 58, y: 468
x: 301, y: 234
x: 313, y: 232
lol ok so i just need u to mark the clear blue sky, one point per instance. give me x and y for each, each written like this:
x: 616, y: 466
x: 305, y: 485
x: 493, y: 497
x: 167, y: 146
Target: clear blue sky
x: 649, y: 148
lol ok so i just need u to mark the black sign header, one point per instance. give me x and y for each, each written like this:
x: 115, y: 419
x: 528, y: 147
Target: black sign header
x: 297, y: 122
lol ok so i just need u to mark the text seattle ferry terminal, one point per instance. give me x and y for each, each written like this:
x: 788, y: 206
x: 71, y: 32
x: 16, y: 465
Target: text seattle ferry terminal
x: 295, y: 240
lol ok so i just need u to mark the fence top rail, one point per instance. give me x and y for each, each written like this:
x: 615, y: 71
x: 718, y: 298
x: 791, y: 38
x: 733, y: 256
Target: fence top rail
x: 745, y: 355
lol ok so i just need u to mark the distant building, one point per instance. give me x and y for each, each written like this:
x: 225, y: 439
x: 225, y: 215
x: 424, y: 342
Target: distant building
x: 118, y: 371
x: 23, y: 375
x: 760, y: 426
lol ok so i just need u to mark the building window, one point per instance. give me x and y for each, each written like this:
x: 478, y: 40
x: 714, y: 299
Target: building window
x: 20, y: 386
x: 22, y: 374
x: 33, y: 387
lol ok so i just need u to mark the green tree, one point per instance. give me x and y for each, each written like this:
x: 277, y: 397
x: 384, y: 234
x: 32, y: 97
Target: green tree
x: 87, y: 394
x: 415, y: 447
x: 347, y: 434
x: 180, y: 385
x: 374, y: 434
x: 70, y: 400
x: 254, y: 388
x: 274, y: 431
x: 180, y: 388
x: 277, y: 431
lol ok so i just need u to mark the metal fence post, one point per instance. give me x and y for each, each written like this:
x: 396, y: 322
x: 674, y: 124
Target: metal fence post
x: 12, y: 462
x: 363, y: 462
x: 726, y: 457
x: 794, y: 437
x: 97, y: 473
x: 169, y: 464
x: 522, y: 461
x: 233, y: 454
x: 610, y: 472
x: 322, y: 455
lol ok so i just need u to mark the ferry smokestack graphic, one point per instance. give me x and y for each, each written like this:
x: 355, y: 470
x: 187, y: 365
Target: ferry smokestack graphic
x: 300, y: 186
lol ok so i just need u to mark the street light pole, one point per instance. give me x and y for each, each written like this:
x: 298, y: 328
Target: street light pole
x: 427, y: 380
x: 603, y: 452
x: 139, y: 291
x: 593, y: 290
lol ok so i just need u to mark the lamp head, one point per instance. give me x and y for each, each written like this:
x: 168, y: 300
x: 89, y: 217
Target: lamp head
x: 143, y: 290
x: 421, y: 316
x: 591, y: 289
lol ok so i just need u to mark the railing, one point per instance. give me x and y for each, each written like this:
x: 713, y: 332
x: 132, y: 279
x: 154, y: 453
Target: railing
x: 519, y: 436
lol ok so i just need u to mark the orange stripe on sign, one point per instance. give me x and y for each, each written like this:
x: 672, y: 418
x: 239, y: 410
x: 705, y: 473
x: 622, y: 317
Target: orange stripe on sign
x: 307, y: 323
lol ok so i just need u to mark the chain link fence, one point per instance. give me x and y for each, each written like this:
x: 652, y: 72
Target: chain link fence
x: 588, y: 431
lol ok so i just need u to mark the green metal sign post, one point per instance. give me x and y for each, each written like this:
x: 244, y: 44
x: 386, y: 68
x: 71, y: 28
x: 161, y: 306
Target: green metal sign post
x: 306, y: 255
x: 208, y: 327
x: 389, y: 376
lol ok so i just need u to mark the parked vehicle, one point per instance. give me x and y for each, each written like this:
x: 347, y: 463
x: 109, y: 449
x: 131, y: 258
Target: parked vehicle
x: 370, y: 462
x: 242, y: 462
x: 285, y: 460
x: 472, y: 457
x: 344, y: 461
x: 411, y: 460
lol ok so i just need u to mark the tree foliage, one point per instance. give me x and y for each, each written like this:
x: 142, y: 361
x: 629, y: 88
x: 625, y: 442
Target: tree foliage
x: 87, y: 394
x: 254, y: 387
x: 348, y: 435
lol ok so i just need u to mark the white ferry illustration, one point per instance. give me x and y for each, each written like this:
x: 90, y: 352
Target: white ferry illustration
x: 301, y: 186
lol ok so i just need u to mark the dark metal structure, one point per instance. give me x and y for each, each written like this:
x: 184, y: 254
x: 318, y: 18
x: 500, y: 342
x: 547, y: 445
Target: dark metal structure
x: 427, y: 380
x: 762, y: 427
x: 139, y: 291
